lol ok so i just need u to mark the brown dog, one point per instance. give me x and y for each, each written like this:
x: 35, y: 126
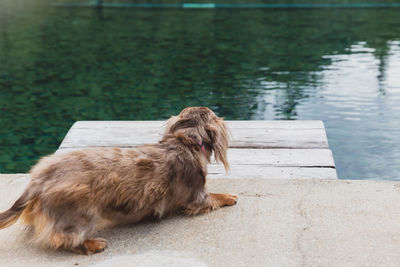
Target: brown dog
x: 71, y: 195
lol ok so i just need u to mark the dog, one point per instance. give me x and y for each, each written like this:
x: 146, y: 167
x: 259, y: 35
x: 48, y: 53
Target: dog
x: 73, y: 195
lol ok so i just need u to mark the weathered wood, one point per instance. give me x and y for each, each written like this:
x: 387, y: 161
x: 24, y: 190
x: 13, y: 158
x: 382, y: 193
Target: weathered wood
x: 281, y: 157
x: 245, y: 134
x: 268, y: 172
x: 270, y: 157
x: 258, y: 149
x: 271, y: 164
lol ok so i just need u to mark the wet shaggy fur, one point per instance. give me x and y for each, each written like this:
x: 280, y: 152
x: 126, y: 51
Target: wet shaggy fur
x: 72, y: 195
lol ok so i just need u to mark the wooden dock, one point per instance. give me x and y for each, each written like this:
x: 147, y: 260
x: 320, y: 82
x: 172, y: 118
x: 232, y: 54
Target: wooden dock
x: 258, y: 149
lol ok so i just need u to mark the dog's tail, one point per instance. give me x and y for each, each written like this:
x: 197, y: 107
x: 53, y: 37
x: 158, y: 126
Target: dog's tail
x: 10, y: 216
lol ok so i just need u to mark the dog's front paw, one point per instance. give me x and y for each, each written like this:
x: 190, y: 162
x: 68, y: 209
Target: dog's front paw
x: 230, y: 200
x: 225, y: 199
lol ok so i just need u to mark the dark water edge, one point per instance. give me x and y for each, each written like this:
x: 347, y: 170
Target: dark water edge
x: 342, y: 66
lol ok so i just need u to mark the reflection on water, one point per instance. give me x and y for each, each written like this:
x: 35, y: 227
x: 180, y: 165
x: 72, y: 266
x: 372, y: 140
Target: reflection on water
x: 342, y: 66
x: 358, y: 97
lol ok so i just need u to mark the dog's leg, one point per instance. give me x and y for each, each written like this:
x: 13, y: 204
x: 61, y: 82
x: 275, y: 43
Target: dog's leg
x: 74, y: 242
x: 212, y: 202
x: 91, y: 246
x: 65, y: 228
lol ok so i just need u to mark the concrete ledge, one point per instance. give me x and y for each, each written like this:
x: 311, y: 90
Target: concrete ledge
x: 275, y: 223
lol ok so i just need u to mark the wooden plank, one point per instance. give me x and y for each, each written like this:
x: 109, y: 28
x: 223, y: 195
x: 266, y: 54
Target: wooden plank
x: 247, y: 158
x: 272, y: 164
x: 268, y: 172
x: 279, y: 138
x: 245, y: 134
x: 281, y: 157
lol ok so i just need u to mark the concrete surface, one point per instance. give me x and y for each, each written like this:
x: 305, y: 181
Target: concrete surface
x: 275, y: 223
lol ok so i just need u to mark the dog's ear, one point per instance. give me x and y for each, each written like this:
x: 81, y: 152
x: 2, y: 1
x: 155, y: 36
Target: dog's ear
x: 219, y: 136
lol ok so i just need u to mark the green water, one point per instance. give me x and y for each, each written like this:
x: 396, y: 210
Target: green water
x: 60, y: 65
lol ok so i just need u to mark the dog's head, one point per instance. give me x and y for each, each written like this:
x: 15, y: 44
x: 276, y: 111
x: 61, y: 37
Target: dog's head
x: 202, y: 125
